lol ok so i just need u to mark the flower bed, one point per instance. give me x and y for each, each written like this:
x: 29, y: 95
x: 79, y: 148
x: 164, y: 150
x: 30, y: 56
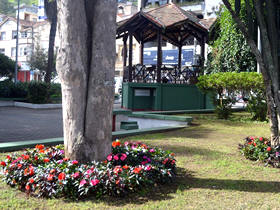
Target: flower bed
x: 259, y: 149
x: 45, y: 172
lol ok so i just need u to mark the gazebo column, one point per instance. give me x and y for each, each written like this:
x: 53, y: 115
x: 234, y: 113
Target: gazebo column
x: 130, y: 57
x: 180, y: 57
x: 202, y: 50
x: 141, y: 52
x: 159, y: 55
x: 124, y: 52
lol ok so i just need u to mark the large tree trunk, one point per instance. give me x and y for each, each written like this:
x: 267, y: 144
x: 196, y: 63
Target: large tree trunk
x: 51, y: 10
x: 85, y: 64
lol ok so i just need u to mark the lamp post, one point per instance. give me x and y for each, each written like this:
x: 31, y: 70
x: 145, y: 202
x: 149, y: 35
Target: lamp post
x: 16, y: 66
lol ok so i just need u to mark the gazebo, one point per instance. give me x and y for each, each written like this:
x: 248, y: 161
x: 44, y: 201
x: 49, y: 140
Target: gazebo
x: 146, y: 86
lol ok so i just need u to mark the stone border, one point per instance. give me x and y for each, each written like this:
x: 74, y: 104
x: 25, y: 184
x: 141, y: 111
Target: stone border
x: 37, y: 106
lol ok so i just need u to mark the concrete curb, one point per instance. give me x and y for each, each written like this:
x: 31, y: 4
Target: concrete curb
x: 37, y: 106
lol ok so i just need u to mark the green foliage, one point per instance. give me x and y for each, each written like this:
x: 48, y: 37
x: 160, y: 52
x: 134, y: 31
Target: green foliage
x: 230, y: 51
x: 45, y: 172
x: 8, y: 89
x: 6, y: 7
x: 7, y: 66
x: 225, y: 87
x: 38, y: 93
x: 38, y: 60
x: 257, y: 106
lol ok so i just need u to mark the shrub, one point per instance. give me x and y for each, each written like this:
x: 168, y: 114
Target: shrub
x: 259, y: 149
x: 38, y: 93
x: 45, y: 172
x: 225, y: 87
x: 9, y: 89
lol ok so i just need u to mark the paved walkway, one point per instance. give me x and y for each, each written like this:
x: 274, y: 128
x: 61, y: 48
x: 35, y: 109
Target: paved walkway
x: 19, y: 124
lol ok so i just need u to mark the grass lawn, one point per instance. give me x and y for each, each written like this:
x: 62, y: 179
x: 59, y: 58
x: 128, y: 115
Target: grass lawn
x: 212, y: 173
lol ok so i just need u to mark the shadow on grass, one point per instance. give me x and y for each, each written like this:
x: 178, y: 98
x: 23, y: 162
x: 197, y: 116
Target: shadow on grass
x: 186, y: 180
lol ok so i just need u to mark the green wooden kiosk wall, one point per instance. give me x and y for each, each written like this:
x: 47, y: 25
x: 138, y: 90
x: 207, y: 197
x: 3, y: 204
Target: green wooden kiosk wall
x: 163, y: 97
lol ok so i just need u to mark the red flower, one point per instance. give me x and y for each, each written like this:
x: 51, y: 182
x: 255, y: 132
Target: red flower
x: 40, y: 146
x: 125, y: 167
x: 31, y: 181
x: 75, y: 162
x: 36, y: 157
x: 52, y: 171
x: 50, y: 177
x: 65, y: 159
x: 117, y: 169
x: 3, y: 163
x: 116, y: 143
x: 61, y: 176
x: 94, y: 182
x: 27, y: 187
x: 26, y: 157
x: 268, y: 149
x: 137, y: 170
x: 255, y: 144
x: 31, y: 171
x: 46, y: 160
x: 9, y: 157
x: 19, y: 166
x: 117, y: 182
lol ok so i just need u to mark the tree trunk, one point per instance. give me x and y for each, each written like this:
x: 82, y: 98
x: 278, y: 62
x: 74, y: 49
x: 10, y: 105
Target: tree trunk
x: 51, y: 10
x: 85, y: 64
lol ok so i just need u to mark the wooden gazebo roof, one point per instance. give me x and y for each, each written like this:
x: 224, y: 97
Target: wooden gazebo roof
x: 175, y: 24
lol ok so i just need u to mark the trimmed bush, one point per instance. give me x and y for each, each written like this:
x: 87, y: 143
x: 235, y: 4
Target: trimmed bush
x: 9, y: 89
x: 38, y: 93
x: 45, y: 172
x: 225, y: 87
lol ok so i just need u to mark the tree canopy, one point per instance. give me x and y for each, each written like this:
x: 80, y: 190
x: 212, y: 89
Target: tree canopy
x: 7, y: 66
x: 230, y: 51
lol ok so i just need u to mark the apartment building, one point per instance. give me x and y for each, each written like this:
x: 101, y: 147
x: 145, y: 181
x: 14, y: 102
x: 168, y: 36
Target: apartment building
x: 31, y: 33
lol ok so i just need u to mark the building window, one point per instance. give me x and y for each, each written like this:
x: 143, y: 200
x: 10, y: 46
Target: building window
x: 13, y: 52
x: 2, y: 50
x: 14, y: 34
x: 23, y: 34
x: 3, y: 36
x: 21, y: 51
x: 25, y: 51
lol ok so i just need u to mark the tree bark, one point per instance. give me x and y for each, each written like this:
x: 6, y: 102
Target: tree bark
x: 51, y: 10
x: 85, y: 64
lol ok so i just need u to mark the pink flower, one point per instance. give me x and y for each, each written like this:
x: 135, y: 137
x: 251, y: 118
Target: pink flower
x: 75, y: 162
x: 144, y: 162
x: 109, y: 157
x: 116, y: 157
x: 76, y: 175
x: 126, y: 143
x: 151, y: 150
x: 89, y: 171
x: 83, y: 182
x: 261, y: 138
x: 148, y: 168
x: 123, y: 157
x: 94, y: 182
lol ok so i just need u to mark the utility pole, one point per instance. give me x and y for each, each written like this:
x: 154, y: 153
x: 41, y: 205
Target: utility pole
x: 16, y: 67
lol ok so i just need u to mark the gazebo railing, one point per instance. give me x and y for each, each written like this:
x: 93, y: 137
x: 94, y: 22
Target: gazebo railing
x: 169, y: 74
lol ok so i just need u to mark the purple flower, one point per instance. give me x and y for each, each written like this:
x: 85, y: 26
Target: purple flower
x: 277, y: 154
x: 60, y: 161
x: 62, y: 151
